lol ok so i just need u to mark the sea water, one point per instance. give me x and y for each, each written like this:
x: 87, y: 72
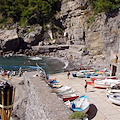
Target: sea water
x: 49, y: 64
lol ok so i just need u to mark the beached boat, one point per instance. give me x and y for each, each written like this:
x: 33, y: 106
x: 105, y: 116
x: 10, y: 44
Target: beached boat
x: 90, y: 83
x: 80, y: 75
x: 63, y: 89
x: 112, y: 90
x: 115, y: 98
x: 74, y: 74
x: 105, y: 83
x: 91, y: 74
x: 93, y: 78
x: 66, y: 92
x: 111, y: 77
x: 69, y: 97
x: 81, y: 104
x: 55, y: 85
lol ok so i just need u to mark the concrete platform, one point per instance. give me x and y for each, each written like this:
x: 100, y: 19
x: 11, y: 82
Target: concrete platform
x: 101, y: 108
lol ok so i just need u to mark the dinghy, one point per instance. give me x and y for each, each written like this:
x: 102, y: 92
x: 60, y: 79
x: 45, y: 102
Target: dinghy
x: 66, y: 92
x: 93, y: 78
x: 115, y: 98
x: 81, y: 104
x: 55, y: 85
x: 69, y: 97
x: 105, y: 83
x: 113, y: 89
x: 63, y: 89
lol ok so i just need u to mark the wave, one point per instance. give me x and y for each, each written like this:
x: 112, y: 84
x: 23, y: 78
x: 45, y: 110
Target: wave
x: 35, y: 58
x: 66, y: 64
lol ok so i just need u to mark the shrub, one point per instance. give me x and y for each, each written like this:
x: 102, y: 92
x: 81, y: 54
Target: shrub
x: 77, y: 115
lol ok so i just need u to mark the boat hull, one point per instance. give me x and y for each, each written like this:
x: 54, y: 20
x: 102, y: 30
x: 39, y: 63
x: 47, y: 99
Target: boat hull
x: 114, y: 100
x: 81, y: 104
x: 70, y: 98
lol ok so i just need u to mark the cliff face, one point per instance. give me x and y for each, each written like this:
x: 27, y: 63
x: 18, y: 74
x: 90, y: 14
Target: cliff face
x: 99, y: 36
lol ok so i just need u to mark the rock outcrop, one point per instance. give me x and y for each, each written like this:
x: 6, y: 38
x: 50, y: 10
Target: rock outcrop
x: 9, y: 40
x: 100, y: 36
x: 34, y: 37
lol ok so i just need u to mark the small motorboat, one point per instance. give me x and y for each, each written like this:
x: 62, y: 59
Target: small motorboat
x: 81, y: 104
x: 63, y: 89
x: 69, y: 97
x: 112, y: 90
x: 115, y: 98
x: 74, y: 74
x: 55, y: 85
x: 66, y: 92
x: 90, y: 83
x: 105, y: 83
x: 93, y: 78
x: 91, y: 74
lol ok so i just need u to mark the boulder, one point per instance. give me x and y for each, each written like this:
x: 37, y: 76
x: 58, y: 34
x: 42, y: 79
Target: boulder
x: 9, y: 40
x: 34, y: 37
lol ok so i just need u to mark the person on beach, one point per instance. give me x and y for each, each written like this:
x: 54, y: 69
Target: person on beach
x: 85, y: 85
x: 20, y: 72
x: 8, y: 74
x: 68, y: 74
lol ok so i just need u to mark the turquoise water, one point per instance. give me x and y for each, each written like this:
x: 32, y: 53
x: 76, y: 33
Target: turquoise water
x: 49, y: 64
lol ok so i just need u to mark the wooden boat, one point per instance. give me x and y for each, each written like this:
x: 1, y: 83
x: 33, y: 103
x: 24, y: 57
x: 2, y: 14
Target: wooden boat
x: 93, y: 78
x: 105, y: 83
x: 80, y: 75
x: 69, y: 97
x: 81, y: 104
x: 55, y: 85
x: 90, y: 83
x: 112, y: 90
x: 111, y: 77
x: 115, y: 98
x: 74, y: 74
x: 66, y: 92
x: 63, y: 89
x: 91, y: 74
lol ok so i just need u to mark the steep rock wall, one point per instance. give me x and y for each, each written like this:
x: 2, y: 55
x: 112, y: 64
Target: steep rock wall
x: 101, y: 36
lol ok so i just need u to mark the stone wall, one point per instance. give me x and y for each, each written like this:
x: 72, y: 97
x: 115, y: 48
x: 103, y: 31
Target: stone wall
x: 41, y: 103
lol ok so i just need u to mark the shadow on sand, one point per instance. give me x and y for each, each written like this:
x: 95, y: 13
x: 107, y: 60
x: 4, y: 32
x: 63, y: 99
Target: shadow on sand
x: 92, y: 111
x: 92, y: 91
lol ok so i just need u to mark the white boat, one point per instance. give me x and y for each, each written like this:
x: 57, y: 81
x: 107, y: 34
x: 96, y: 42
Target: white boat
x: 66, y: 92
x: 80, y: 74
x: 105, y: 83
x: 113, y: 89
x: 115, y: 98
x: 81, y: 104
x: 93, y: 78
x: 63, y: 89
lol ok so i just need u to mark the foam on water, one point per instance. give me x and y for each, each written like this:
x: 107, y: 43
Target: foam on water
x: 35, y: 58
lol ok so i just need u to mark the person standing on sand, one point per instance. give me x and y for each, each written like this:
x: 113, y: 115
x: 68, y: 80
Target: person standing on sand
x: 68, y: 74
x: 85, y: 85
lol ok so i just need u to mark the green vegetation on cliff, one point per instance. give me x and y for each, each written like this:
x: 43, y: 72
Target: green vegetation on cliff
x: 105, y: 5
x: 28, y: 11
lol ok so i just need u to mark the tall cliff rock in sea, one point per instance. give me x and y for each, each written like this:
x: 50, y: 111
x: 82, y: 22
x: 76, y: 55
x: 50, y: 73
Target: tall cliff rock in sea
x: 101, y: 35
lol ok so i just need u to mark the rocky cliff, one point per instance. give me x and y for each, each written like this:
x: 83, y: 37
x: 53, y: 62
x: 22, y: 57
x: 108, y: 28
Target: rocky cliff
x: 99, y: 36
